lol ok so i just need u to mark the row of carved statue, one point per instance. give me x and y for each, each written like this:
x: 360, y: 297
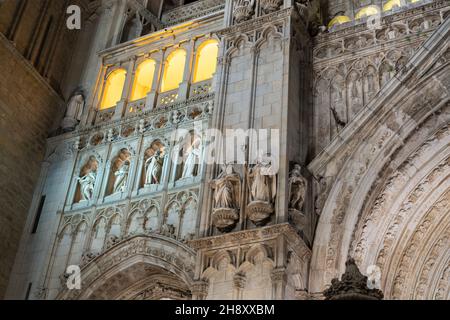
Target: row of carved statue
x: 155, y: 158
x: 262, y: 190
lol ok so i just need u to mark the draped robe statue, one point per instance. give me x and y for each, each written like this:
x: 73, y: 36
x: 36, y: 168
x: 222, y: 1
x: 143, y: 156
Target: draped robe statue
x: 153, y: 168
x: 297, y: 189
x: 262, y: 181
x: 227, y: 188
x: 87, y: 184
x: 73, y: 113
x: 120, y: 184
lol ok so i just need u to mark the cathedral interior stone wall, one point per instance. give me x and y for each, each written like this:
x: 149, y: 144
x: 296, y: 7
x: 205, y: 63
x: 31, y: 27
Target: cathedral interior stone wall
x: 340, y: 118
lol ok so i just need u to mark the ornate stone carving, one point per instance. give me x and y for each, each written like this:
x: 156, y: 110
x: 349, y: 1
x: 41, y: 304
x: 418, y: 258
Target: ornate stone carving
x: 192, y: 160
x: 87, y: 179
x: 227, y: 188
x: 352, y: 286
x: 269, y: 6
x: 297, y: 189
x: 243, y: 10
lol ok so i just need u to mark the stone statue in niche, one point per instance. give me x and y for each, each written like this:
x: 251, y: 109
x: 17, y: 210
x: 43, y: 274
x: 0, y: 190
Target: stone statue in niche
x: 73, y: 113
x: 243, y: 10
x: 297, y: 193
x: 227, y: 187
x: 153, y: 168
x: 192, y: 160
x: 122, y: 168
x: 87, y: 179
x: 297, y: 188
x: 262, y: 185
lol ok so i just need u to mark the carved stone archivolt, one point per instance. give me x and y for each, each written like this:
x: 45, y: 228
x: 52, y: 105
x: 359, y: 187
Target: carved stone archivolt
x: 262, y: 184
x: 357, y: 177
x: 154, y: 251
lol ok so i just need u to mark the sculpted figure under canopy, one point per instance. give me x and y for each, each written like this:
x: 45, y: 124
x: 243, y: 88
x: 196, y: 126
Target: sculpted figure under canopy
x: 192, y: 160
x: 153, y: 168
x: 87, y: 179
x: 262, y: 181
x: 227, y: 188
x: 297, y: 188
x: 122, y: 168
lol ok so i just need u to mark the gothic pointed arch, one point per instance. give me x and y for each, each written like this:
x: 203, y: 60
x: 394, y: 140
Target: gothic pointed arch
x: 140, y: 267
x: 388, y: 201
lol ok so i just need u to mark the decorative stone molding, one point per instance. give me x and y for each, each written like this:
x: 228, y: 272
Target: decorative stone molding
x: 157, y: 250
x: 193, y: 11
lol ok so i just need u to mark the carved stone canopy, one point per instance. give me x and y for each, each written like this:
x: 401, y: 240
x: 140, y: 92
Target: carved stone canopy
x: 352, y: 286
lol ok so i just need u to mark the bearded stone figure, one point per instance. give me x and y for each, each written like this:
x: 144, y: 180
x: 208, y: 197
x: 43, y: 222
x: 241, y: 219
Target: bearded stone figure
x: 153, y: 168
x: 225, y: 186
x: 120, y: 184
x: 87, y: 179
x: 121, y: 169
x: 262, y: 181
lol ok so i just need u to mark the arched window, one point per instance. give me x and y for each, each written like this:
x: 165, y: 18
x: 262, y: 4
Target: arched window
x: 143, y: 79
x: 206, y: 60
x: 391, y: 4
x: 113, y: 89
x: 174, y: 70
x: 338, y: 20
x: 367, y: 11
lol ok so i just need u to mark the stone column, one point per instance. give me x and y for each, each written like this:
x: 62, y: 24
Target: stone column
x: 239, y: 281
x: 151, y: 100
x: 183, y: 90
x: 279, y: 280
x: 122, y: 104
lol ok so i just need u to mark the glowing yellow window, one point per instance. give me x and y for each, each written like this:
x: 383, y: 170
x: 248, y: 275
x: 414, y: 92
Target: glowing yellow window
x: 206, y: 60
x: 392, y: 4
x: 113, y: 89
x: 338, y: 20
x: 367, y: 11
x: 174, y: 70
x: 143, y: 80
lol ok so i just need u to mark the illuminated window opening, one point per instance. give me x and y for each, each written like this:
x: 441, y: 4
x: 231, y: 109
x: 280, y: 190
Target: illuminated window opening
x: 113, y: 90
x: 143, y: 80
x: 174, y: 70
x: 338, y: 20
x: 206, y: 61
x: 393, y: 4
x: 367, y: 11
